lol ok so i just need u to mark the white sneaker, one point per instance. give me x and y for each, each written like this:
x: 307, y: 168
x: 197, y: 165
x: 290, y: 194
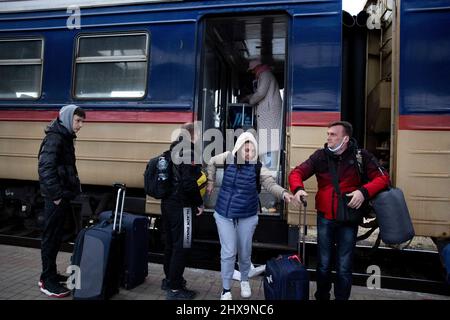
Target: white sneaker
x: 226, y: 296
x: 246, y: 291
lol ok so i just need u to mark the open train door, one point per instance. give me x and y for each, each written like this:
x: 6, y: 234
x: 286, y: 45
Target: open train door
x: 422, y: 112
x: 228, y: 44
x: 315, y: 78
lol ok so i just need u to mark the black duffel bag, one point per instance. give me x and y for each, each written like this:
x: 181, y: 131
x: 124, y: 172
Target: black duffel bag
x: 350, y: 215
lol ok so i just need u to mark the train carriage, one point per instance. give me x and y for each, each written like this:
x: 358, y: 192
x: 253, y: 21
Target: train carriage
x: 142, y: 68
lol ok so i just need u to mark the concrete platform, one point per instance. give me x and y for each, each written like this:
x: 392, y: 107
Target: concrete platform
x: 20, y: 269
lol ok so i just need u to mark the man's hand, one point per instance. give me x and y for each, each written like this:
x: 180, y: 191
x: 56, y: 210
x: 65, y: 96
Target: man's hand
x: 357, y: 199
x: 57, y: 202
x: 300, y: 195
x: 209, y: 188
x: 200, y: 210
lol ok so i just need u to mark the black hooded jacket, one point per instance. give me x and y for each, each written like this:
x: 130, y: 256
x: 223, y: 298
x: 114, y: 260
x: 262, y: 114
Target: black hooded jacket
x: 184, y: 183
x: 58, y: 176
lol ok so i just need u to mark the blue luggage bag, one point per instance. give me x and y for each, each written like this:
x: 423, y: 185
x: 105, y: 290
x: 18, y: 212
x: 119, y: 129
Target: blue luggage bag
x: 286, y: 277
x: 445, y: 255
x: 135, y: 268
x: 393, y: 216
x: 98, y: 252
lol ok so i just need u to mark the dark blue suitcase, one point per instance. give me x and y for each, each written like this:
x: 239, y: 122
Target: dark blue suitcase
x: 135, y: 268
x: 98, y: 252
x: 286, y: 278
x: 445, y: 253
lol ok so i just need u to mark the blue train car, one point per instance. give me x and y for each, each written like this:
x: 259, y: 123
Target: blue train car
x: 142, y: 68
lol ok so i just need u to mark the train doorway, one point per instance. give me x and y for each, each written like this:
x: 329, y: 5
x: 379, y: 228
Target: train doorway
x: 228, y: 45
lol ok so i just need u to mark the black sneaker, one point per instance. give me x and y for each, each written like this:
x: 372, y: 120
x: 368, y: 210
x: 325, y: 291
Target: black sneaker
x: 59, y: 278
x: 182, y: 294
x: 54, y: 289
x: 165, y: 284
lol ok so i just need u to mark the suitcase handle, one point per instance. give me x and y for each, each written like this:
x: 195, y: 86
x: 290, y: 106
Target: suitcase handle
x: 303, y: 238
x: 120, y: 200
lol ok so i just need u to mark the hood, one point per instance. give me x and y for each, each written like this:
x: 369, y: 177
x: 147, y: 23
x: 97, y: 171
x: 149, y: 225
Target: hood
x: 253, y: 64
x: 56, y: 127
x: 66, y: 116
x: 243, y: 138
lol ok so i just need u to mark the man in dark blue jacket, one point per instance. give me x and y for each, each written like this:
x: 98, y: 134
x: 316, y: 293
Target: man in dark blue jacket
x: 59, y: 183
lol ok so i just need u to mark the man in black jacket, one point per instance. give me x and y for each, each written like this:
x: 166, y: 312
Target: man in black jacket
x: 177, y: 209
x: 59, y: 183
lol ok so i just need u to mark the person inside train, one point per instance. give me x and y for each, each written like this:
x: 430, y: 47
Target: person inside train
x: 267, y: 99
x: 337, y: 173
x: 185, y: 198
x: 59, y: 183
x: 237, y: 207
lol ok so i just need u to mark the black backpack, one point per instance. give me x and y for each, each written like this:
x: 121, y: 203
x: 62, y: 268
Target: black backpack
x: 158, y: 176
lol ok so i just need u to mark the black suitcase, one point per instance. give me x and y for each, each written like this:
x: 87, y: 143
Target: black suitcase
x: 286, y: 277
x: 98, y: 252
x: 135, y: 268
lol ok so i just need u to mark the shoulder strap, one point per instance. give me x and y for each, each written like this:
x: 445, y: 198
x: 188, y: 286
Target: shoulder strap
x: 373, y: 225
x: 360, y: 166
x: 258, y: 176
x: 334, y: 177
x: 362, y: 169
x: 359, y: 161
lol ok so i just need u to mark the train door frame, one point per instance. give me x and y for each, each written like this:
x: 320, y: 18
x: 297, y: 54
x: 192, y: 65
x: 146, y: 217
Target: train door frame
x: 286, y: 20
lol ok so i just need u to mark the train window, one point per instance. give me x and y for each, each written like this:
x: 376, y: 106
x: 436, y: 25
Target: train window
x: 21, y: 68
x: 111, y: 66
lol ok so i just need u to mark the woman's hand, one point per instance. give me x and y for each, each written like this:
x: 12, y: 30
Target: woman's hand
x: 209, y: 188
x: 288, y: 197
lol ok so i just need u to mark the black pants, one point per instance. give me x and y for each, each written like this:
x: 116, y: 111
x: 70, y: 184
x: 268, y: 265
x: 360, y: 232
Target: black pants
x: 55, y: 216
x: 174, y: 253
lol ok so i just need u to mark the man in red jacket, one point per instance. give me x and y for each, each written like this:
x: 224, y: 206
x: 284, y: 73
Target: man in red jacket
x: 340, y: 151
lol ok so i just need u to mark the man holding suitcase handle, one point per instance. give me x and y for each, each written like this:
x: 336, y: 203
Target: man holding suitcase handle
x: 339, y: 151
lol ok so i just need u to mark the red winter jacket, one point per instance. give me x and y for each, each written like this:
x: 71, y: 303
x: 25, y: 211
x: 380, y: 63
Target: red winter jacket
x: 348, y: 176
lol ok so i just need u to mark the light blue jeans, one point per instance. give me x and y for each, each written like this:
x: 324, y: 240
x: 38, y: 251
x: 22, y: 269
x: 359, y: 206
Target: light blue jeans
x: 235, y: 238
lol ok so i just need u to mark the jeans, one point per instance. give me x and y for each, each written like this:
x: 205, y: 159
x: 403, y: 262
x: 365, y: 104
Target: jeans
x: 329, y: 234
x: 235, y: 238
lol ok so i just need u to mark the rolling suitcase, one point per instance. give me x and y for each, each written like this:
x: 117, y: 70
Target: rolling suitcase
x: 135, y: 268
x: 98, y: 252
x: 286, y: 277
